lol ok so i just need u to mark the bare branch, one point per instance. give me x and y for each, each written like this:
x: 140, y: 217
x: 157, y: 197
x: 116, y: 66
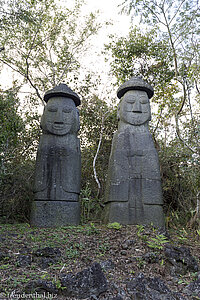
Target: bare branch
x: 189, y: 101
x: 97, y: 152
x: 31, y: 83
x: 10, y: 66
x: 179, y: 136
x: 172, y: 44
x: 184, y: 99
x: 156, y: 127
x: 176, y: 12
x: 67, y: 64
x: 155, y: 15
x: 197, y: 88
x: 52, y: 67
x: 27, y: 68
x: 73, y: 51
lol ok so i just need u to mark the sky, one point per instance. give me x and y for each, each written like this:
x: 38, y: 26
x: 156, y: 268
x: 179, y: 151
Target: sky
x: 109, y: 10
x: 94, y: 60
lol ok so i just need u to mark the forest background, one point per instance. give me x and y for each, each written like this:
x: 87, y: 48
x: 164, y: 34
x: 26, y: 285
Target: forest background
x: 44, y: 41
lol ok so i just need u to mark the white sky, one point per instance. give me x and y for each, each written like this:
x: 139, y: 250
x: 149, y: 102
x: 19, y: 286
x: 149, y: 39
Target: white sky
x: 108, y: 11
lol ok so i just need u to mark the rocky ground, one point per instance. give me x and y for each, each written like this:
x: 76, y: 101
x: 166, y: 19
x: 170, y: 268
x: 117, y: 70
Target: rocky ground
x: 99, y: 262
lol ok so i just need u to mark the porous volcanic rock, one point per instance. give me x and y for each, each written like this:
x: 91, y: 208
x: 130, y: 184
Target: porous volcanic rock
x: 150, y: 288
x: 88, y: 282
x: 179, y: 260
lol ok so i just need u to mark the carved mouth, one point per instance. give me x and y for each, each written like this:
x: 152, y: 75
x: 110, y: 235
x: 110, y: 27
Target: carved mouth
x: 58, y: 126
x: 62, y: 127
x: 137, y: 112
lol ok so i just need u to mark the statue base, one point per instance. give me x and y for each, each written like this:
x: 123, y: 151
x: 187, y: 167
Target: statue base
x: 55, y: 213
x: 122, y: 213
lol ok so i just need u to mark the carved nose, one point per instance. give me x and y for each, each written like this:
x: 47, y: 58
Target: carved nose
x: 137, y: 107
x: 59, y: 117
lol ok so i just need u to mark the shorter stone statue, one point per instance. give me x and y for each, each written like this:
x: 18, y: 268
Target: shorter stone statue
x: 133, y: 192
x: 58, y: 163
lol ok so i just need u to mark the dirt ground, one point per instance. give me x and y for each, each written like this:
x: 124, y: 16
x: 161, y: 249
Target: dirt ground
x: 122, y: 251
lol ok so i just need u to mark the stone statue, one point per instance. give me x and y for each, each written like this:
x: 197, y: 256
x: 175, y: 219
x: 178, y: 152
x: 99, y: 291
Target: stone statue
x: 133, y: 191
x: 58, y: 162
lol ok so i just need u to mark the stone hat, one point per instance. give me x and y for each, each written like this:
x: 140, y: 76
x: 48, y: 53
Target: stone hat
x: 62, y: 90
x: 135, y: 83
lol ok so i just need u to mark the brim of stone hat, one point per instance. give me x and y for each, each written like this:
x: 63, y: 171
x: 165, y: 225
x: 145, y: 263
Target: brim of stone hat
x: 64, y: 91
x: 135, y: 84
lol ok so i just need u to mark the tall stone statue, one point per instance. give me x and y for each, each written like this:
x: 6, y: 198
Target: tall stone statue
x: 133, y: 192
x: 58, y: 162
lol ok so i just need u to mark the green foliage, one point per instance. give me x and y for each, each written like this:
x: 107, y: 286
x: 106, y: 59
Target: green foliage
x: 140, y: 232
x: 16, y: 164
x: 180, y: 179
x: 43, y: 40
x: 58, y: 284
x: 71, y: 252
x: 141, y: 54
x: 157, y: 242
x: 114, y: 225
x: 92, y: 229
x: 90, y: 205
x: 92, y: 111
x: 103, y: 248
x: 140, y: 229
x: 87, y: 203
x: 11, y: 124
x: 140, y: 262
x: 183, y: 280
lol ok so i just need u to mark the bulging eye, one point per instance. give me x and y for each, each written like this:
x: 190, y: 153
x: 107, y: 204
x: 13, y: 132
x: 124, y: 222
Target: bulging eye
x: 131, y: 100
x: 52, y: 109
x: 66, y: 110
x: 143, y: 100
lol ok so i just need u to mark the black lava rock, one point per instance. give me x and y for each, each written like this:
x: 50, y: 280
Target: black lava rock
x: 107, y: 264
x: 48, y: 252
x: 47, y: 256
x: 151, y: 257
x: 180, y: 260
x: 40, y: 286
x: 24, y: 260
x: 89, y: 282
x: 147, y: 288
x: 193, y: 289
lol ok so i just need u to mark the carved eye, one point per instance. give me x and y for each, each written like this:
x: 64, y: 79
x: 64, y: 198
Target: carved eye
x: 131, y: 100
x: 143, y: 100
x: 66, y: 110
x: 52, y: 108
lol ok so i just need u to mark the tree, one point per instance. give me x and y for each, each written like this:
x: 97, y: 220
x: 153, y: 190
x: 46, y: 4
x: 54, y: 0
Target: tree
x: 142, y: 54
x: 16, y: 152
x: 176, y: 22
x: 43, y: 41
x: 98, y: 122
